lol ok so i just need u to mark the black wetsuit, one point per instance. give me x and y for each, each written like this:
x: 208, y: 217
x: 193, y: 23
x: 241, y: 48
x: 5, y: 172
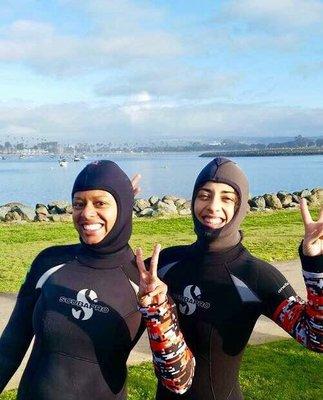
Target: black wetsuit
x: 219, y: 297
x: 83, y: 313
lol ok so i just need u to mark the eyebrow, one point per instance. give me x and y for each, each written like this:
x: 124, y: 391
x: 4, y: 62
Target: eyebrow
x: 222, y: 191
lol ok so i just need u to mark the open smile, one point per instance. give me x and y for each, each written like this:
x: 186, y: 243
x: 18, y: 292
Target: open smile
x: 213, y: 222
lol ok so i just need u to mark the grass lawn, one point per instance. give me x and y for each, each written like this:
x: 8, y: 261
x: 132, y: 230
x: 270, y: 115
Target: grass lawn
x: 277, y: 371
x: 271, y: 236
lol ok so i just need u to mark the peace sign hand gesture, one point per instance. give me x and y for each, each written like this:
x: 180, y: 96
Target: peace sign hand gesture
x: 151, y: 289
x: 313, y: 238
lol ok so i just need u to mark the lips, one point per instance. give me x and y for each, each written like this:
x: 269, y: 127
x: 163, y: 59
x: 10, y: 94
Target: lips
x: 213, y: 222
x: 92, y: 227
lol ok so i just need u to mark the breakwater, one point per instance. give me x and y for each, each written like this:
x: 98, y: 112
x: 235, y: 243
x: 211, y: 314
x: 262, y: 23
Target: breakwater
x: 266, y: 152
x: 154, y: 206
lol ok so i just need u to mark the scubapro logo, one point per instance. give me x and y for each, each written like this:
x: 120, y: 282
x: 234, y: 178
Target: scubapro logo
x: 86, y: 301
x: 191, y: 299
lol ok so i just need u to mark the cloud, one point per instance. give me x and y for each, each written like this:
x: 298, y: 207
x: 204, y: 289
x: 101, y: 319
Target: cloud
x: 147, y: 120
x: 278, y: 14
x: 175, y: 82
x: 117, y: 38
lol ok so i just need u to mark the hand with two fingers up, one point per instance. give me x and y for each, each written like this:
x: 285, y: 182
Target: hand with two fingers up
x: 313, y: 238
x: 152, y: 291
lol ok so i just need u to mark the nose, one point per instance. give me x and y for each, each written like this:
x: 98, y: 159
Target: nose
x: 214, y: 205
x: 88, y: 211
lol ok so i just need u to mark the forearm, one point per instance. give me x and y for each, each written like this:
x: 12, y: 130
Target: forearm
x: 304, y: 320
x: 15, y: 340
x: 173, y: 361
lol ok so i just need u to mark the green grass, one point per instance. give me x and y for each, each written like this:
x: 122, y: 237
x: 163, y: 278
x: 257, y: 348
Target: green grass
x: 271, y: 236
x: 277, y: 371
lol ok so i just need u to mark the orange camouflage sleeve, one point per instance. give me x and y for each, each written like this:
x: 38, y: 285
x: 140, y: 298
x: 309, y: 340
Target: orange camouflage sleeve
x: 173, y: 361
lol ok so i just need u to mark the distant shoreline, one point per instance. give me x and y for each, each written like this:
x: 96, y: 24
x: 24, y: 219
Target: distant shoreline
x: 264, y: 153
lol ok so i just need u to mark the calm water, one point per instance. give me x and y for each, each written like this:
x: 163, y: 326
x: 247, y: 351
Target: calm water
x: 34, y: 180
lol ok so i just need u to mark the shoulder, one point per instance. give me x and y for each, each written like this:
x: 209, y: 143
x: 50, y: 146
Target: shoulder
x: 51, y: 257
x: 171, y: 254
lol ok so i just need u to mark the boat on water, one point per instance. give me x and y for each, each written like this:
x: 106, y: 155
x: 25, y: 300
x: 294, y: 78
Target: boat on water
x: 63, y: 162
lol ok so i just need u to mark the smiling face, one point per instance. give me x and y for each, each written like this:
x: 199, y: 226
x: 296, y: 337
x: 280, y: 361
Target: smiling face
x: 215, y: 204
x: 94, y: 214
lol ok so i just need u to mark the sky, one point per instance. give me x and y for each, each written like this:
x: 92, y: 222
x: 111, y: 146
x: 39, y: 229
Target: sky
x: 138, y: 71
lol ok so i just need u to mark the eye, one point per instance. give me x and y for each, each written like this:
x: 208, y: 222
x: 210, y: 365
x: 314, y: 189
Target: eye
x: 100, y: 204
x: 229, y: 199
x: 77, y: 205
x: 202, y: 196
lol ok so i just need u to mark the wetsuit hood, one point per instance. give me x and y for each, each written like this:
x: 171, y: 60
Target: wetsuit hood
x: 107, y: 175
x: 222, y: 170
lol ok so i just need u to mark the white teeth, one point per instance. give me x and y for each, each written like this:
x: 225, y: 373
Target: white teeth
x: 213, y: 221
x: 92, y: 227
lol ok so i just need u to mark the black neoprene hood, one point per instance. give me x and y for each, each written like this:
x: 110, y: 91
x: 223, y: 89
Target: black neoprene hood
x: 223, y: 170
x: 107, y: 175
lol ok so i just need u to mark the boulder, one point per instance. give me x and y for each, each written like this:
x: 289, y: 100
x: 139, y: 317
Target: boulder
x: 272, y: 201
x: 187, y: 205
x: 184, y: 211
x: 141, y: 204
x: 147, y: 212
x: 41, y: 218
x: 285, y: 198
x: 180, y: 202
x: 26, y: 213
x: 153, y: 200
x: 3, y: 211
x: 295, y: 198
x: 165, y: 209
x: 41, y: 209
x: 58, y: 207
x: 258, y: 203
x: 13, y: 216
x: 169, y: 197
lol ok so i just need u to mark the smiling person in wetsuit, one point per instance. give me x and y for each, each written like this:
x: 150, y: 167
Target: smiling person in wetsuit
x: 80, y: 303
x: 220, y: 289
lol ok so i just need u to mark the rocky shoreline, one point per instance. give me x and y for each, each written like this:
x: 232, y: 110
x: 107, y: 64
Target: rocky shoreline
x: 61, y: 211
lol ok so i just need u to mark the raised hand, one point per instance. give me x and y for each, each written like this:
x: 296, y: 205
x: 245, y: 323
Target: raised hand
x: 135, y: 184
x: 151, y: 289
x: 313, y: 238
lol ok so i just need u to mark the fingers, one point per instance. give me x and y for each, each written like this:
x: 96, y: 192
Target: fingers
x: 135, y: 184
x: 140, y: 261
x: 306, y: 216
x: 154, y: 260
x: 321, y: 215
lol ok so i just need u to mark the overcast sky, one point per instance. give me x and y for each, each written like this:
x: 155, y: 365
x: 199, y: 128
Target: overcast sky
x: 101, y: 70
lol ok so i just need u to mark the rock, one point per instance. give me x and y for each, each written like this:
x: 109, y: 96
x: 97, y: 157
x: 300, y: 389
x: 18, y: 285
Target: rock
x: 26, y: 213
x: 165, y: 209
x: 295, y: 198
x: 69, y: 209
x: 153, y: 200
x: 41, y: 218
x: 54, y: 217
x: 285, y: 198
x: 41, y: 209
x: 187, y: 205
x: 169, y: 197
x: 169, y: 201
x: 179, y: 202
x: 58, y: 207
x: 141, y: 204
x: 257, y: 202
x: 272, y: 201
x: 65, y: 217
x: 184, y: 211
x: 3, y: 211
x: 305, y: 193
x: 14, y: 204
x: 13, y: 216
x: 293, y: 204
x: 316, y: 198
x: 147, y: 212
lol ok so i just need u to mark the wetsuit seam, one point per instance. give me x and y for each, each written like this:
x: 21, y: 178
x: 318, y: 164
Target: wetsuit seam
x: 73, y: 357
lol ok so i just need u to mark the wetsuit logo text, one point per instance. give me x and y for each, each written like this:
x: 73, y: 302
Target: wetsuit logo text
x: 191, y: 298
x: 86, y: 300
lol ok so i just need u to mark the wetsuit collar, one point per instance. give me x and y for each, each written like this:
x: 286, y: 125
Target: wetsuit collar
x: 218, y: 257
x: 111, y: 260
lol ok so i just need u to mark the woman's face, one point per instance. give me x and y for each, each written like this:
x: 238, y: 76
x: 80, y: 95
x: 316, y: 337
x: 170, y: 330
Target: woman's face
x: 215, y: 204
x: 94, y: 214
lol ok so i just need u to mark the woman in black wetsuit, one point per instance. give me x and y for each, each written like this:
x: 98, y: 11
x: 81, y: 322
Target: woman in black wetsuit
x: 80, y: 303
x: 220, y: 289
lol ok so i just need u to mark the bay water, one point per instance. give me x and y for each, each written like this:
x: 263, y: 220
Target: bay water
x: 41, y: 179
